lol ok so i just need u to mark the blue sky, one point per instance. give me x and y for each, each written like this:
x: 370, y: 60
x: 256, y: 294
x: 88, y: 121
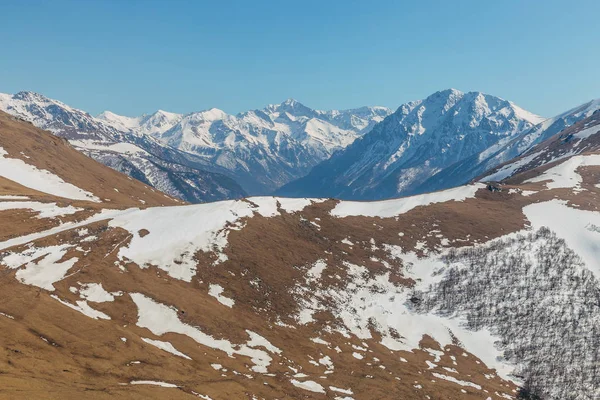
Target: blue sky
x: 138, y: 56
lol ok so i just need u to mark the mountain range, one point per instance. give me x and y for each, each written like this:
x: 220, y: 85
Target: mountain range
x: 488, y: 290
x: 260, y: 149
x: 368, y: 153
x: 207, y: 155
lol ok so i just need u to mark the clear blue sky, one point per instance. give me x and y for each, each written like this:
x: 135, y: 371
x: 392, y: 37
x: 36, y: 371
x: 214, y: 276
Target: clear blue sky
x: 138, y: 56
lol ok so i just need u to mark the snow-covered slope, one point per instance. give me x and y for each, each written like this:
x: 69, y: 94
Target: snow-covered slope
x: 261, y: 149
x: 127, y: 150
x: 420, y: 139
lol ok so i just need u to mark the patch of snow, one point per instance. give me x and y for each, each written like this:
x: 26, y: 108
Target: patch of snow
x: 166, y: 346
x: 44, y: 272
x: 257, y: 340
x: 161, y: 319
x: 586, y: 133
x: 509, y: 169
x: 177, y: 233
x: 454, y: 380
x: 44, y: 210
x: 94, y: 292
x: 344, y: 391
x: 215, y: 291
x: 41, y: 180
x: 565, y: 174
x: 154, y: 383
x: 576, y: 227
x: 104, y: 214
x: 84, y: 308
x: 315, y: 272
x: 311, y: 386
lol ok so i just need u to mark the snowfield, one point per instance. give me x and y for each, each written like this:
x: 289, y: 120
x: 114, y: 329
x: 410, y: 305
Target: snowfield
x: 565, y: 174
x: 39, y: 179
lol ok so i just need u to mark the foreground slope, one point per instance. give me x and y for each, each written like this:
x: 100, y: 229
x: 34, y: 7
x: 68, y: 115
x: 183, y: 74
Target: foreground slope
x: 460, y: 294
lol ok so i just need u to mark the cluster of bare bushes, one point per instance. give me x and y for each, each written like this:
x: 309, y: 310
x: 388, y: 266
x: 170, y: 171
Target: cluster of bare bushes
x: 539, y: 299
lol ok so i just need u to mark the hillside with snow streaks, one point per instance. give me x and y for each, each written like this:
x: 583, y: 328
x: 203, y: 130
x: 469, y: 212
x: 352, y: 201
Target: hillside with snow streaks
x: 581, y: 137
x: 415, y: 143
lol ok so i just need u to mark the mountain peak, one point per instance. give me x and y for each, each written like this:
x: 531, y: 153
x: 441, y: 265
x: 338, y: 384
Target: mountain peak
x: 166, y: 113
x: 451, y: 91
x: 107, y: 115
x: 30, y: 96
x: 446, y: 94
x: 291, y: 102
x: 212, y: 114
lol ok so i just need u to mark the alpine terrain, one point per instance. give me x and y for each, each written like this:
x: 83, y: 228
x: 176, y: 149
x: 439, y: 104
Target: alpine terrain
x: 490, y: 290
x: 260, y: 149
x: 207, y: 155
x: 418, y: 141
x: 132, y: 153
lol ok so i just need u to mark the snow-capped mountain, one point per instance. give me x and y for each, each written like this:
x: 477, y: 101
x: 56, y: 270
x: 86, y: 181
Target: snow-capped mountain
x: 149, y: 124
x: 129, y: 151
x: 420, y: 139
x: 483, y: 291
x: 506, y: 150
x: 261, y: 149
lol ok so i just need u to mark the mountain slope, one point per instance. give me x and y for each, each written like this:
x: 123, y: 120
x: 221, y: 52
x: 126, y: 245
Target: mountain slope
x: 137, y: 155
x: 467, y: 293
x: 260, y: 149
x: 416, y: 142
x: 581, y: 137
x: 476, y: 165
x: 27, y: 150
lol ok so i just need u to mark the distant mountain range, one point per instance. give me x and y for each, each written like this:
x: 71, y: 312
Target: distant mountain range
x: 415, y: 143
x: 289, y: 149
x: 133, y: 153
x: 443, y: 141
x: 207, y: 155
x: 261, y: 149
